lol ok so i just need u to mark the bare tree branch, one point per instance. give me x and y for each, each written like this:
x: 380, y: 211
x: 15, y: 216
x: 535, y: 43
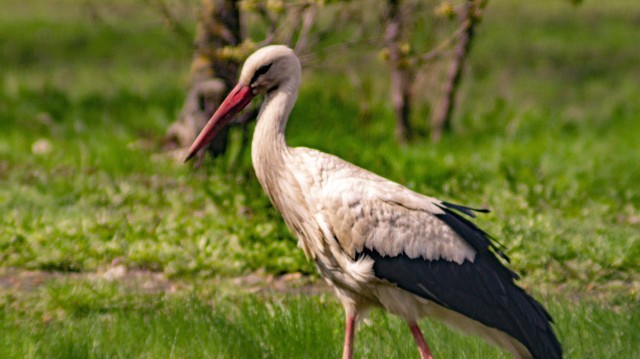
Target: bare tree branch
x: 441, y: 48
x: 168, y: 17
x: 442, y: 121
x: 400, y: 72
x: 308, y: 18
x: 272, y: 21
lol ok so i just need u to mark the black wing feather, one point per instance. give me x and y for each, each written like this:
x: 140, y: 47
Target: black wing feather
x: 483, y: 290
x: 464, y: 209
x: 476, y: 237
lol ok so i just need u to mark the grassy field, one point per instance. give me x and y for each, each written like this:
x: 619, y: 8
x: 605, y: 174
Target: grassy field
x: 83, y: 319
x: 546, y: 136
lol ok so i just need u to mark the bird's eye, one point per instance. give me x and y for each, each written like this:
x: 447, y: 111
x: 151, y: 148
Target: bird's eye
x: 263, y: 69
x: 260, y: 71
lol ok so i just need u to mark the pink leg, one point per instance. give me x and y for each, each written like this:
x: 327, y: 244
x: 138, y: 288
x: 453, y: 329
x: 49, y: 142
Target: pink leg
x: 347, y: 351
x: 423, y: 348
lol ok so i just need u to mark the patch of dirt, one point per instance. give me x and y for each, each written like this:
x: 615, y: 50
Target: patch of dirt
x: 24, y: 280
x: 15, y: 280
x: 292, y: 283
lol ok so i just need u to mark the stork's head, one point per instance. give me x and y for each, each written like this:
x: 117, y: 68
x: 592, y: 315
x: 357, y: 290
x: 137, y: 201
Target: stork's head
x: 264, y: 71
x: 268, y: 68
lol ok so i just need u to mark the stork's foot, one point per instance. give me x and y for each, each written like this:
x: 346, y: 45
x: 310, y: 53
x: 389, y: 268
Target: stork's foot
x: 350, y: 325
x: 423, y: 348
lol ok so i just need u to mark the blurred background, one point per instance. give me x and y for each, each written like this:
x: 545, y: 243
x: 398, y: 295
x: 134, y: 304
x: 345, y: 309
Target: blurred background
x: 531, y: 109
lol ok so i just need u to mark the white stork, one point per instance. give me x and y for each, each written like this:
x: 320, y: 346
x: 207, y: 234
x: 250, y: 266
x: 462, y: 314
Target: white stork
x: 377, y: 243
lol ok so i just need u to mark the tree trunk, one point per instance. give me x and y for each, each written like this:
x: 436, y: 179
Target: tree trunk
x: 400, y: 73
x: 211, y: 75
x: 442, y: 121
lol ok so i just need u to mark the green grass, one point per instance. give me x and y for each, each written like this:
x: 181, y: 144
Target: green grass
x: 545, y: 135
x: 79, y: 319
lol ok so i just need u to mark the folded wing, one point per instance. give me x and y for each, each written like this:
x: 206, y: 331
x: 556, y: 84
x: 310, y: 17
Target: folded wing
x: 424, y: 246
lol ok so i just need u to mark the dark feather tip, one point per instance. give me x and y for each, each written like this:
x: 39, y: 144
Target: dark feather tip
x: 464, y: 209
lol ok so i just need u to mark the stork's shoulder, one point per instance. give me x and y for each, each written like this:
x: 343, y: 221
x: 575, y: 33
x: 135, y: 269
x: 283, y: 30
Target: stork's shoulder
x: 325, y: 167
x: 362, y: 210
x: 340, y: 180
x: 337, y: 177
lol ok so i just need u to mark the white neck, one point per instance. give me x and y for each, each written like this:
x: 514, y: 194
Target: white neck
x: 269, y: 147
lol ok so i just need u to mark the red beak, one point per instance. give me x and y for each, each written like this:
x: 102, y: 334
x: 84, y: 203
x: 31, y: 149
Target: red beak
x: 239, y: 97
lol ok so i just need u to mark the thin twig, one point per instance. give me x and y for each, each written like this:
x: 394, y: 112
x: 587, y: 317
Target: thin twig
x: 442, y: 121
x: 174, y: 24
x: 442, y: 46
x: 349, y: 43
x: 308, y: 18
x: 273, y: 24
